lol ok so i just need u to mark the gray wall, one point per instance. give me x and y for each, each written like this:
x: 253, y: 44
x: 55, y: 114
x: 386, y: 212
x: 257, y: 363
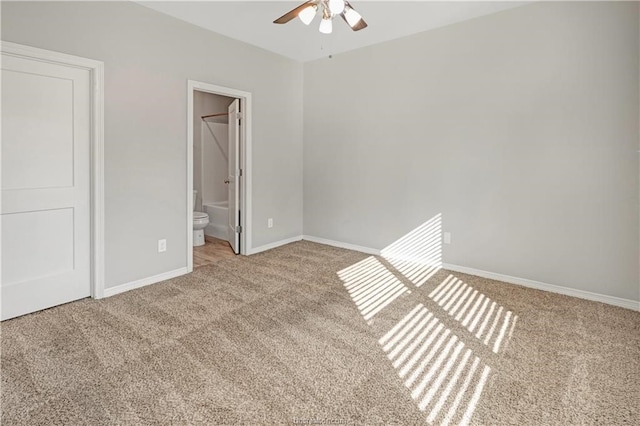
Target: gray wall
x: 520, y: 128
x: 148, y: 58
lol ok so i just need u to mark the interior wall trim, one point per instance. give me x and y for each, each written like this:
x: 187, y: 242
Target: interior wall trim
x: 552, y: 288
x: 340, y: 244
x: 246, y: 217
x: 96, y: 69
x: 112, y: 291
x: 274, y: 245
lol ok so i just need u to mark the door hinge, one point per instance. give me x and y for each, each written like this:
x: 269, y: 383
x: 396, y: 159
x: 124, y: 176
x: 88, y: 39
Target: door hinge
x: 240, y: 172
x: 239, y: 116
x: 238, y: 229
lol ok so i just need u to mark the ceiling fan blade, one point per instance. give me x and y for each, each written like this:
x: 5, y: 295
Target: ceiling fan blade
x: 293, y: 13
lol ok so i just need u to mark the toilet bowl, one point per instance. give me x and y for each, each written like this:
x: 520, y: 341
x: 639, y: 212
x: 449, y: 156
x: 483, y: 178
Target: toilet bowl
x: 200, y: 221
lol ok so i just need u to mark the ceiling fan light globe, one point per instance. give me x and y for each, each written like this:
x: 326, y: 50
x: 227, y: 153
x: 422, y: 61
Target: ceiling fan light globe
x: 326, y: 26
x: 336, y: 6
x: 307, y: 14
x: 352, y: 17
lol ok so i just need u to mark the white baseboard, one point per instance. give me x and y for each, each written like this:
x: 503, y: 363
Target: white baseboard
x: 340, y: 244
x: 611, y: 300
x: 112, y: 291
x: 274, y: 245
x: 582, y: 294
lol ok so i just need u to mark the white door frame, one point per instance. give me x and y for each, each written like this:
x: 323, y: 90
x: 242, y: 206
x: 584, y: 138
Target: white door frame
x: 245, y: 162
x: 96, y: 70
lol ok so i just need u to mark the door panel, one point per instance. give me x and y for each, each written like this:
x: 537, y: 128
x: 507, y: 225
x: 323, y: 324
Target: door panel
x: 39, y: 105
x: 36, y: 244
x: 45, y: 185
x: 234, y: 175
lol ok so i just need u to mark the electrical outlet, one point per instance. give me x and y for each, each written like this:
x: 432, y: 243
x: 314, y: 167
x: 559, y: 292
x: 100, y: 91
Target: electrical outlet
x: 447, y: 237
x: 162, y: 246
x: 270, y: 222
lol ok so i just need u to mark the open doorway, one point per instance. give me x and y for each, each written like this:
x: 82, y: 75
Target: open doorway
x: 218, y: 185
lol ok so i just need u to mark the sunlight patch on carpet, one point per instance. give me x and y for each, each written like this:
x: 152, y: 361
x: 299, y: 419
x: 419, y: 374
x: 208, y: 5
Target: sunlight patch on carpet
x: 371, y: 286
x: 439, y: 367
x: 488, y: 321
x: 443, y: 376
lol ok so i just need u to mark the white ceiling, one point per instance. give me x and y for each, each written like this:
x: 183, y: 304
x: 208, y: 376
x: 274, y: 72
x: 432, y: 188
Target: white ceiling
x: 252, y: 22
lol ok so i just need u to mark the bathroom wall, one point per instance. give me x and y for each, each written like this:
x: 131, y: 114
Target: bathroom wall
x: 148, y: 59
x: 205, y: 104
x: 215, y: 161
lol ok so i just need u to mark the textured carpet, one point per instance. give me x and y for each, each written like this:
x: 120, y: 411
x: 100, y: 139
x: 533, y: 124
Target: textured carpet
x: 311, y: 334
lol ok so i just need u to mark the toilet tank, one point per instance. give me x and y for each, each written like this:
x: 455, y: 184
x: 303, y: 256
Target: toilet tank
x: 195, y: 199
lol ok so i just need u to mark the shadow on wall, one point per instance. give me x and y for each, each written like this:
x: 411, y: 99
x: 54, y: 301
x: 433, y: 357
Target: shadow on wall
x: 442, y: 372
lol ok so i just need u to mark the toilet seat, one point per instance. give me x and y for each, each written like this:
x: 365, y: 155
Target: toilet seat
x: 200, y: 215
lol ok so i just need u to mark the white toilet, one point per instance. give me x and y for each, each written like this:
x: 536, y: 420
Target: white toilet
x: 200, y: 221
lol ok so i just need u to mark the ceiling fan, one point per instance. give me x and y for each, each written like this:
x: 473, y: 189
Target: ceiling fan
x: 330, y: 9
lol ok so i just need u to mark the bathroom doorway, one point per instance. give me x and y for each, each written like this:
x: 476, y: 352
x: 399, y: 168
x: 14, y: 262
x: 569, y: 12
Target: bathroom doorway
x: 218, y: 178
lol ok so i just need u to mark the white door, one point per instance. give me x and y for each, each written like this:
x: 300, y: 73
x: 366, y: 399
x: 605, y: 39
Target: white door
x: 234, y: 175
x: 46, y: 110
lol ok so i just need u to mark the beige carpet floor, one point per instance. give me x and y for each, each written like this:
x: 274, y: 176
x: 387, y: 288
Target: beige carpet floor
x: 311, y: 334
